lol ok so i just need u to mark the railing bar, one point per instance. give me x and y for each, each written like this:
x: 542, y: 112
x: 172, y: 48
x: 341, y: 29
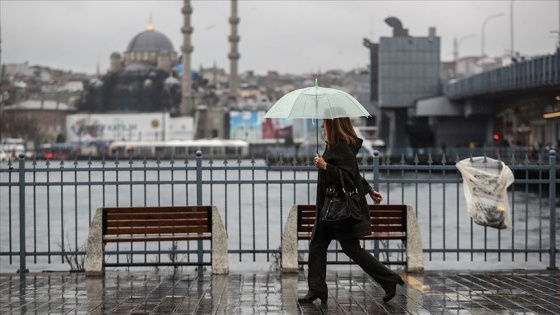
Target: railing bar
x: 34, y: 211
x: 48, y: 213
x: 267, y: 206
x: 158, y: 172
x: 540, y: 216
x: 75, y: 208
x: 239, y: 218
x: 265, y: 251
x: 298, y: 181
x: 89, y: 191
x: 62, y: 245
x: 145, y: 173
x: 444, y: 204
x: 253, y: 211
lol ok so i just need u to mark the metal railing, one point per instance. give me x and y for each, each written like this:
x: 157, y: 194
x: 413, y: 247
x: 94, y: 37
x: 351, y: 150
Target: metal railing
x: 46, y: 208
x: 537, y: 72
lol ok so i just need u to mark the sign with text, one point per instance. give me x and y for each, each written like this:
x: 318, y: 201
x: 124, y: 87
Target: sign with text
x: 128, y: 127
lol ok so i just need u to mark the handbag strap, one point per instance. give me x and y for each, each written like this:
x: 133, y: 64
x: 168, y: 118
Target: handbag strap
x: 347, y: 184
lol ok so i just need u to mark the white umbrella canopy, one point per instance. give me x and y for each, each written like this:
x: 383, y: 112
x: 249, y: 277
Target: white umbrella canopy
x: 316, y: 103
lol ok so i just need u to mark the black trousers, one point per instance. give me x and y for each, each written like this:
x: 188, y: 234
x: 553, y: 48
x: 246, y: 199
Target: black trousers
x: 352, y: 248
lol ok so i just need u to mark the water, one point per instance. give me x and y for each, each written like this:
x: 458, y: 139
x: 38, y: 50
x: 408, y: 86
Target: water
x: 254, y: 206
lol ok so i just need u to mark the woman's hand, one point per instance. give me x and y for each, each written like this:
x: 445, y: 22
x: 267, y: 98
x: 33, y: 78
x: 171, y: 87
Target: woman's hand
x: 376, y: 196
x: 319, y: 162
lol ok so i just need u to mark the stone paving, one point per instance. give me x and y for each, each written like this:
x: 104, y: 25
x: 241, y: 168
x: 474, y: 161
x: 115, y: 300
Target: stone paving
x: 350, y: 292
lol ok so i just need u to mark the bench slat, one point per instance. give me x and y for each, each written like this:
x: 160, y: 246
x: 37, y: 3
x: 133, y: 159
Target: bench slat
x: 154, y: 223
x: 388, y: 221
x: 386, y: 213
x: 191, y: 209
x: 373, y: 236
x: 190, y: 237
x: 156, y: 216
x: 158, y: 230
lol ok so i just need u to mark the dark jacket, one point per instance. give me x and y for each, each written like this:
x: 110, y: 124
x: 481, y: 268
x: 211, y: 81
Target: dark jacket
x: 342, y: 156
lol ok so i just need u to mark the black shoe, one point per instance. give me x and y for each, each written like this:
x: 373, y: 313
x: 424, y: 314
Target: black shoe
x: 390, y: 294
x: 312, y: 296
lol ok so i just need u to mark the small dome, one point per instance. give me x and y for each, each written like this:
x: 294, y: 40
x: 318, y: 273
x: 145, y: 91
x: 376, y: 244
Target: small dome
x: 115, y: 55
x: 136, y: 67
x: 170, y: 81
x: 150, y: 40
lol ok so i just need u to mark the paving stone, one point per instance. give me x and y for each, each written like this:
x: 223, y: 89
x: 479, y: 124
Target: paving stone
x: 263, y: 292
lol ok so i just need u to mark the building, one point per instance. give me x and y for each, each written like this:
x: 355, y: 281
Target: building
x: 35, y: 121
x: 409, y: 69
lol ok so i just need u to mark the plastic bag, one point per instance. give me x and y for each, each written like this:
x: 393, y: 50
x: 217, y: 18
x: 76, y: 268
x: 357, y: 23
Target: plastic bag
x: 485, y: 183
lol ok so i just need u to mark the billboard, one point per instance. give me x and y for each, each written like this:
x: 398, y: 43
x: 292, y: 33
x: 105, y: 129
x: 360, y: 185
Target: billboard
x: 128, y: 127
x: 247, y: 125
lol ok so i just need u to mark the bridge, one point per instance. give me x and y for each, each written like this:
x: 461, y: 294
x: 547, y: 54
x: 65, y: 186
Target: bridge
x: 517, y: 105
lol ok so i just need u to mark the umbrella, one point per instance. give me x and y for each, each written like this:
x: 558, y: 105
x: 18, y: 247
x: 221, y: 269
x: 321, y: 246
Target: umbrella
x: 317, y: 103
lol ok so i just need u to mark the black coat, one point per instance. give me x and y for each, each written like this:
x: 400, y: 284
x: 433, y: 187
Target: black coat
x: 342, y: 156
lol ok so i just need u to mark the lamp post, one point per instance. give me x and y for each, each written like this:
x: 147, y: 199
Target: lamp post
x: 482, y: 32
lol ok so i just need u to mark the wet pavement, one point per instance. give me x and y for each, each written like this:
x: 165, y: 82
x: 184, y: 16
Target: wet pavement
x: 262, y: 292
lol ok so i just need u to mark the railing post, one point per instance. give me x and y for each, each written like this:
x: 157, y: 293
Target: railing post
x: 22, y: 241
x: 376, y: 170
x: 199, y: 202
x: 376, y: 187
x: 552, y: 202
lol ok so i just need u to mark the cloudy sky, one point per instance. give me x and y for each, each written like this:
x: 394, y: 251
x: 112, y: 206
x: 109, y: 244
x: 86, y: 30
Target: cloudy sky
x: 286, y: 36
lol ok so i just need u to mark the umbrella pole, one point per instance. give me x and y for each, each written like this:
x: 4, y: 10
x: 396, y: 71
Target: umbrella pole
x: 317, y: 120
x: 317, y: 135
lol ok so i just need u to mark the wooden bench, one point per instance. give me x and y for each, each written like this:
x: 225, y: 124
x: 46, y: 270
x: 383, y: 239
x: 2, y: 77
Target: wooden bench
x: 155, y: 224
x: 388, y: 222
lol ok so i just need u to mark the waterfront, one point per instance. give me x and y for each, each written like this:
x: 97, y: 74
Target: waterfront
x: 254, y: 201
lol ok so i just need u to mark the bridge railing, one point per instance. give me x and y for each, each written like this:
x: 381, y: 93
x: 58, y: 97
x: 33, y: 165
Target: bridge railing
x: 46, y: 208
x: 542, y: 71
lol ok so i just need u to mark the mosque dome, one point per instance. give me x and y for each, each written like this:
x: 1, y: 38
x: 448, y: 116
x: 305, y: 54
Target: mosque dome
x: 150, y: 40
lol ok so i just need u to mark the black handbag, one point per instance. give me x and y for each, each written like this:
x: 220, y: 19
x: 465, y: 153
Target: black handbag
x: 342, y: 208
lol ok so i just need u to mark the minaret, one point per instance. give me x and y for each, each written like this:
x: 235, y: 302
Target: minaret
x: 187, y: 101
x: 233, y: 54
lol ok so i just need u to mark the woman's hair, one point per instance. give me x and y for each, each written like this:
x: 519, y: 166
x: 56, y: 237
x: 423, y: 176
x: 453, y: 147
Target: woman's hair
x: 340, y: 128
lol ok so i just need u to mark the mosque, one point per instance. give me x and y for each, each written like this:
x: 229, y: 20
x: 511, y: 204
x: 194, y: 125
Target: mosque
x: 143, y: 79
x: 151, y: 77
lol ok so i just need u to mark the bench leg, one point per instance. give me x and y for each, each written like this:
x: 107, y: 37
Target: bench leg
x: 290, y: 243
x: 414, y: 255
x: 94, y: 251
x: 220, y: 263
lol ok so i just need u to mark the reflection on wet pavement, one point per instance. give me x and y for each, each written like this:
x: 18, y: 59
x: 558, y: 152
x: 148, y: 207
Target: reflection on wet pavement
x: 350, y: 292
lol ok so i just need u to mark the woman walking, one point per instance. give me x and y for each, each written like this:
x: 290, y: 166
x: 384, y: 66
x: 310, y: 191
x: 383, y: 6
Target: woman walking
x: 340, y: 154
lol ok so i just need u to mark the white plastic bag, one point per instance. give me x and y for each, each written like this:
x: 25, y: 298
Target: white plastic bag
x: 485, y: 183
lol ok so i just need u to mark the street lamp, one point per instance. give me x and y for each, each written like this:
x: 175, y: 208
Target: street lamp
x: 482, y: 33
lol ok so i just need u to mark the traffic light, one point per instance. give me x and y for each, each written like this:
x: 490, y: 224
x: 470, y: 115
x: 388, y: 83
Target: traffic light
x: 496, y: 137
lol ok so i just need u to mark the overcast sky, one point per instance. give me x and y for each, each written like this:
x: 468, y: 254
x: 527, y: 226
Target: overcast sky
x: 286, y: 36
